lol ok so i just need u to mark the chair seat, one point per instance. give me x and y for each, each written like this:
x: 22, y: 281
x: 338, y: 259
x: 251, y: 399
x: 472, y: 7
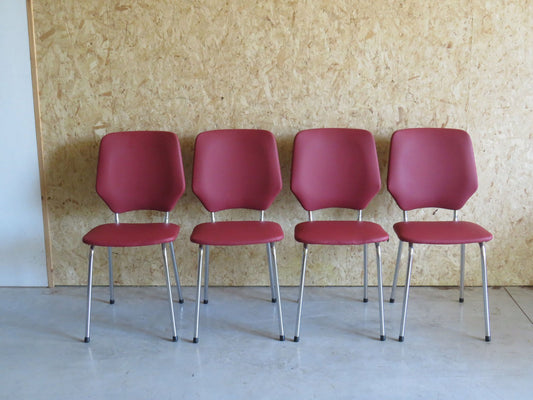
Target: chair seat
x: 339, y: 232
x: 235, y: 233
x: 441, y: 232
x: 130, y: 235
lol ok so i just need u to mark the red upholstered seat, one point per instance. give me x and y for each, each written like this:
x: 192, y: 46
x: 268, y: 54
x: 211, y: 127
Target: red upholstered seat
x: 236, y: 168
x: 337, y: 168
x: 339, y: 232
x: 131, y: 235
x: 441, y: 232
x: 435, y: 168
x: 140, y: 170
x: 236, y: 233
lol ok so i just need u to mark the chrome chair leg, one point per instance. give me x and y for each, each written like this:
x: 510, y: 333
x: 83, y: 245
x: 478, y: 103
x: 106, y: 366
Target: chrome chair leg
x: 462, y: 280
x: 301, y: 296
x: 111, y: 286
x: 365, y: 274
x: 272, y: 289
x: 198, y: 292
x: 169, y: 288
x: 406, y: 295
x: 89, y: 295
x: 206, y: 278
x: 276, y: 283
x: 176, y: 274
x: 395, y: 279
x: 485, y: 291
x: 382, y: 336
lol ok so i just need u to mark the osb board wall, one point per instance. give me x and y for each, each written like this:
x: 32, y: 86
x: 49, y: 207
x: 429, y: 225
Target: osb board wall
x: 281, y: 65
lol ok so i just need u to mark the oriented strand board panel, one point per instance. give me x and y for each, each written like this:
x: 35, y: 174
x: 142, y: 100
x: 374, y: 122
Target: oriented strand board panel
x: 381, y: 65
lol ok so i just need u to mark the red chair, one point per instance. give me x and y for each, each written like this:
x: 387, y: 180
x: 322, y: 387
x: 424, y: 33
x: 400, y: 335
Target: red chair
x: 337, y: 168
x: 435, y: 167
x: 137, y: 171
x: 236, y: 168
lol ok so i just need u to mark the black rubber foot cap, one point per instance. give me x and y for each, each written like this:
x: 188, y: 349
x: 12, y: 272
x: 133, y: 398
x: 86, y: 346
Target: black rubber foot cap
x: 391, y: 301
x: 487, y: 338
x: 281, y: 338
x: 87, y: 340
x: 112, y: 301
x: 181, y: 301
x: 195, y: 340
x: 174, y: 338
x: 461, y: 300
x: 274, y: 300
x: 365, y: 300
x: 382, y: 338
x: 206, y: 301
x: 400, y: 339
x: 297, y: 339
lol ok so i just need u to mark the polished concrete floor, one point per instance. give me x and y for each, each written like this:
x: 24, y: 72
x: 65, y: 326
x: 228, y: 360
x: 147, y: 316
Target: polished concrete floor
x: 130, y: 356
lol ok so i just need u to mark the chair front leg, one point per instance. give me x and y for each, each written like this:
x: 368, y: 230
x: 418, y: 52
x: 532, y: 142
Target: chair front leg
x: 485, y: 291
x: 198, y: 292
x: 278, y: 296
x: 176, y: 274
x: 382, y: 336
x: 111, y: 286
x: 169, y: 289
x: 301, y: 296
x: 395, y: 279
x: 89, y: 295
x: 406, y: 295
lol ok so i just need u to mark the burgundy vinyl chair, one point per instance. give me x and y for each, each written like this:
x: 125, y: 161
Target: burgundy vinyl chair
x: 236, y: 169
x: 337, y: 168
x: 137, y: 171
x: 435, y: 167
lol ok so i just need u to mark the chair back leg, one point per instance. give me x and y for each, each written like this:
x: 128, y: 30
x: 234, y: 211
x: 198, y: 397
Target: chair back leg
x: 176, y: 274
x: 206, y: 277
x: 462, y: 279
x: 110, y: 267
x: 485, y: 291
x: 271, y: 274
x: 198, y: 292
x: 365, y: 273
x: 395, y: 279
x: 169, y: 289
x: 89, y: 295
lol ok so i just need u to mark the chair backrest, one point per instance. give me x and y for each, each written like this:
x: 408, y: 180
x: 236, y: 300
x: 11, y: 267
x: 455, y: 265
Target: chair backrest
x: 236, y: 168
x: 335, y: 167
x: 141, y: 170
x: 431, y: 167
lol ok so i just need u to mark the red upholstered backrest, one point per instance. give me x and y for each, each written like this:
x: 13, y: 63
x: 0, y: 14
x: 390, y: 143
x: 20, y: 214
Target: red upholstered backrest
x: 140, y: 171
x: 236, y: 168
x: 431, y: 167
x: 335, y: 167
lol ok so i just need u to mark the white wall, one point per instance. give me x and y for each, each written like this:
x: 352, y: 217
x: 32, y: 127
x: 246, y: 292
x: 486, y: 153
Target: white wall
x: 22, y: 253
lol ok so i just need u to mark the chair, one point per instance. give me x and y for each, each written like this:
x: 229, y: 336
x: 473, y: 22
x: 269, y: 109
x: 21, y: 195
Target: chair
x: 236, y: 168
x: 337, y: 168
x: 137, y: 171
x: 435, y: 167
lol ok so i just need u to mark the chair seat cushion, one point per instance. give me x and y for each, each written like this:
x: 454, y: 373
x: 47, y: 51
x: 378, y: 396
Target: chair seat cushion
x: 130, y: 235
x: 441, y: 232
x: 339, y: 232
x: 235, y: 233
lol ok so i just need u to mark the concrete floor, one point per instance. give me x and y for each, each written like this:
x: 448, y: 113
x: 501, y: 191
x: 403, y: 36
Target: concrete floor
x: 130, y: 356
